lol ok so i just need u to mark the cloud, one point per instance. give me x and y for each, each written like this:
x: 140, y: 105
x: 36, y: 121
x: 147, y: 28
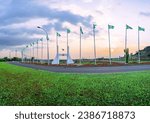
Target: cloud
x: 147, y: 14
x: 21, y: 17
x: 30, y: 24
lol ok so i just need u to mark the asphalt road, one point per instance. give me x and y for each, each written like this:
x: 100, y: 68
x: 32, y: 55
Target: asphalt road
x: 65, y: 69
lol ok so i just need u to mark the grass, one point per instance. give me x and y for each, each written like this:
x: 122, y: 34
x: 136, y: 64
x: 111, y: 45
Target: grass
x: 23, y: 86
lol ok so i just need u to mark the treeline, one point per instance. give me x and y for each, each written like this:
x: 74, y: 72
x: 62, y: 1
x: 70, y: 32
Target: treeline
x: 145, y: 53
x: 6, y: 59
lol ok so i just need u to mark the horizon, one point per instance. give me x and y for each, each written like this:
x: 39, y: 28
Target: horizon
x: 19, y: 21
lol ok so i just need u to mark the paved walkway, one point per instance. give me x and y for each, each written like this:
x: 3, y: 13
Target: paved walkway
x: 65, y: 69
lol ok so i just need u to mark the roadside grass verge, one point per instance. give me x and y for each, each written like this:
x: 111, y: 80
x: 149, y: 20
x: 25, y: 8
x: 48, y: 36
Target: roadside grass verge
x: 28, y: 87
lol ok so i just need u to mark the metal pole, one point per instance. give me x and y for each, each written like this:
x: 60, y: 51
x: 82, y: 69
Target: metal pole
x: 94, y: 46
x: 37, y: 52
x: 33, y: 53
x: 30, y: 54
x: 16, y: 53
x: 80, y: 48
x: 126, y: 33
x: 109, y: 47
x: 57, y: 43
x: 10, y: 55
x: 47, y: 38
x: 48, y: 49
x: 139, y: 57
x: 22, y: 55
x: 67, y: 48
x: 42, y: 51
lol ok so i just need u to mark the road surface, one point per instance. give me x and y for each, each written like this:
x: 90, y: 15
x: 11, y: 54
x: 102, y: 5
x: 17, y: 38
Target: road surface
x: 65, y: 69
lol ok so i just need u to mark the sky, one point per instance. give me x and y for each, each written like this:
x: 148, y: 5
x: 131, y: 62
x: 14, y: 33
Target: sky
x: 19, y: 20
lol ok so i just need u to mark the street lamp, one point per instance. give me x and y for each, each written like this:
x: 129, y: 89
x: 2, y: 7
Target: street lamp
x: 47, y: 38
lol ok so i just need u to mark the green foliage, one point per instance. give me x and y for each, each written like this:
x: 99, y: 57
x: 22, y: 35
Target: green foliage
x: 24, y: 86
x: 6, y: 59
x: 127, y: 55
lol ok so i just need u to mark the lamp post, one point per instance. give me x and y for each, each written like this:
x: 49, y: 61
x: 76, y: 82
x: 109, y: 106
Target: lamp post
x: 47, y: 38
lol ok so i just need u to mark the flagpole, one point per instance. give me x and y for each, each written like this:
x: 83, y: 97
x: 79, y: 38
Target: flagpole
x: 16, y: 53
x: 33, y: 52
x: 10, y: 55
x: 94, y: 46
x: 67, y: 48
x: 126, y: 34
x: 109, y: 46
x: 22, y: 55
x: 42, y: 52
x: 139, y: 57
x: 37, y: 52
x: 57, y: 43
x: 30, y: 53
x: 80, y: 47
x: 47, y: 38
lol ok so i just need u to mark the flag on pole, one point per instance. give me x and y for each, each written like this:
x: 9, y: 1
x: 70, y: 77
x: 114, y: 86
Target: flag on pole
x: 27, y: 46
x: 58, y: 34
x: 31, y: 44
x: 81, y: 31
x: 47, y: 37
x: 111, y: 27
x: 94, y: 26
x: 128, y: 27
x: 141, y: 28
x: 68, y: 31
x: 41, y: 39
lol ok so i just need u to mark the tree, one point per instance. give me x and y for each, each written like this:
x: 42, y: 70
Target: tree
x: 127, y: 55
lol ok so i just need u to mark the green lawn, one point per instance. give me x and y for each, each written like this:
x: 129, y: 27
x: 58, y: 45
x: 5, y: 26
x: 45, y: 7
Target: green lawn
x: 24, y: 86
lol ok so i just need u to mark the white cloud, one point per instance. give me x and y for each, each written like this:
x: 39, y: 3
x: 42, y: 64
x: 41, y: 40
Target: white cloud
x: 32, y: 23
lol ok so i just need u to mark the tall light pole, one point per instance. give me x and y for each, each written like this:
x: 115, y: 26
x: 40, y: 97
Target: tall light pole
x: 47, y: 38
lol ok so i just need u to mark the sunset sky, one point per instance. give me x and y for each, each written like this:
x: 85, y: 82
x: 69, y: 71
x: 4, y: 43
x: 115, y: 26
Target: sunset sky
x: 19, y: 20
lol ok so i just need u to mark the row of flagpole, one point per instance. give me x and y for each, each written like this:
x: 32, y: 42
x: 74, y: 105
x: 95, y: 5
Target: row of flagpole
x: 109, y: 40
x: 31, y: 48
x: 110, y: 27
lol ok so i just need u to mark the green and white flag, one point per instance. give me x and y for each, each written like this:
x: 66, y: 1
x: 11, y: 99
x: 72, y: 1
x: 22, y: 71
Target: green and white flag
x: 58, y: 34
x: 68, y: 31
x: 27, y: 46
x: 41, y: 39
x: 94, y: 26
x: 81, y: 31
x: 128, y: 27
x: 47, y: 37
x: 111, y: 27
x: 141, y: 28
